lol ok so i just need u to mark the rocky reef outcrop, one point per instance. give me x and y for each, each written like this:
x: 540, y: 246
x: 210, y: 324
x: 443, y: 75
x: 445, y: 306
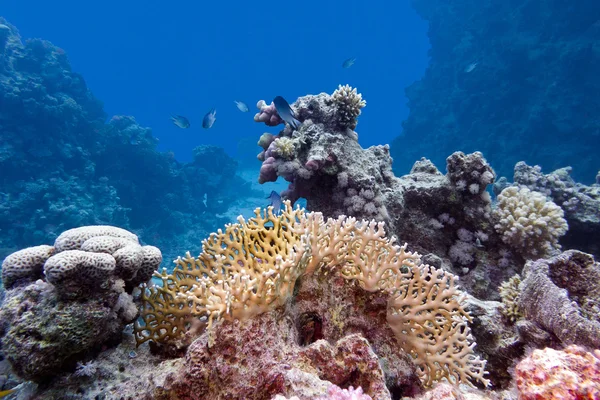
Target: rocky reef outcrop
x: 514, y: 81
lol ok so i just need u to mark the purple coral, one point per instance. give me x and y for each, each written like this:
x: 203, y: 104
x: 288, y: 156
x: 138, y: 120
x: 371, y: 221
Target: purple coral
x: 267, y: 114
x: 268, y: 171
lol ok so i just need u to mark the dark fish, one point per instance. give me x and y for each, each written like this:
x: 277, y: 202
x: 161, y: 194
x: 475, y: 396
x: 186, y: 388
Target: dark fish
x: 209, y: 119
x: 180, y: 121
x: 275, y: 201
x: 348, y: 63
x: 285, y: 112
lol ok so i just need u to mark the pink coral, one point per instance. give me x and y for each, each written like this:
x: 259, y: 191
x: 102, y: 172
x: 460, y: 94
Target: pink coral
x: 267, y: 114
x: 268, y: 171
x: 572, y: 373
x: 337, y: 393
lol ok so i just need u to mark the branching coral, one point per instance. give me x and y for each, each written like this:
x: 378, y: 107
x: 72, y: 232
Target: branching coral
x: 249, y: 268
x: 529, y: 222
x: 349, y: 103
x: 252, y: 267
x: 509, y: 292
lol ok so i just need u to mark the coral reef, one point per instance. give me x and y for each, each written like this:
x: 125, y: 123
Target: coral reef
x: 278, y: 364
x: 502, y: 79
x: 580, y: 203
x: 63, y: 166
x: 447, y: 215
x: 83, y: 304
x: 549, y: 374
x: 562, y: 296
x: 250, y: 269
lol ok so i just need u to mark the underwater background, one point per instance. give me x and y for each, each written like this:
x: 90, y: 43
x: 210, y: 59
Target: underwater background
x: 470, y: 128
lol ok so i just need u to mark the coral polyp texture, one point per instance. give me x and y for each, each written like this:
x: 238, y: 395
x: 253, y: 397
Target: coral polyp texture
x: 529, y: 222
x: 25, y: 264
x: 252, y: 268
x: 348, y: 103
x: 65, y: 300
x: 562, y: 296
x: 569, y: 374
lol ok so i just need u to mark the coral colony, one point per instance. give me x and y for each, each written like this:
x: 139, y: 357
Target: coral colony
x: 419, y: 286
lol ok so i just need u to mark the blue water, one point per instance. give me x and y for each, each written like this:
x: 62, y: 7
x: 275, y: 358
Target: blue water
x: 151, y: 59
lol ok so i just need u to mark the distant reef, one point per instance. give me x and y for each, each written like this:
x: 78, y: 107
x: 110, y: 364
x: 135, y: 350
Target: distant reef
x: 64, y: 166
x: 516, y: 80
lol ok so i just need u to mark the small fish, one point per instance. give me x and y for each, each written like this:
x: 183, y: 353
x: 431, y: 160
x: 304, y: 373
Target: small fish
x: 275, y: 201
x: 5, y: 393
x: 470, y: 67
x: 348, y: 63
x: 478, y: 243
x: 209, y: 119
x: 241, y: 106
x: 180, y: 121
x: 285, y: 112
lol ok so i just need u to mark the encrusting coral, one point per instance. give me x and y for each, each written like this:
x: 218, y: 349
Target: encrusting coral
x: 252, y: 267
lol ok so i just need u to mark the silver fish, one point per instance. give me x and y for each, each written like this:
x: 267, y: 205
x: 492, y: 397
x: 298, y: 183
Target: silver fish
x: 209, y: 119
x: 348, y: 63
x: 275, y: 201
x: 241, y: 106
x: 470, y: 67
x: 180, y: 121
x: 285, y: 112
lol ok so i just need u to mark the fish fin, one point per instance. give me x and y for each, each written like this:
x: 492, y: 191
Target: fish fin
x: 295, y: 123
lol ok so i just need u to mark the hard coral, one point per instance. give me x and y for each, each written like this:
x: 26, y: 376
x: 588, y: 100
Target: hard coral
x: 348, y: 103
x: 25, y: 265
x: 267, y: 114
x: 250, y: 269
x: 83, y: 304
x: 549, y: 374
x: 528, y: 222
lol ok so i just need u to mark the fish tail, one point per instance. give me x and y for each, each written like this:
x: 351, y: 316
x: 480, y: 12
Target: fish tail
x: 295, y: 123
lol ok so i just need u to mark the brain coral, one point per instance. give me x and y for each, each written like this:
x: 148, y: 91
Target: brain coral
x: 76, y: 269
x: 528, y: 222
x: 26, y: 264
x: 74, y: 238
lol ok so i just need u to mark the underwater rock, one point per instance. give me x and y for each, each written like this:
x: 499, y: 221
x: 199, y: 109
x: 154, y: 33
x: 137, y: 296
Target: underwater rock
x: 83, y: 304
x: 562, y: 296
x: 549, y: 374
x: 42, y: 335
x: 526, y: 96
x: 497, y: 339
x: 63, y: 166
x: 260, y: 358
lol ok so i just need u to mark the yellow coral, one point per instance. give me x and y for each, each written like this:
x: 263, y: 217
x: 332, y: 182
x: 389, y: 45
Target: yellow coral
x: 509, y: 292
x: 285, y: 147
x: 252, y: 268
x: 248, y: 269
